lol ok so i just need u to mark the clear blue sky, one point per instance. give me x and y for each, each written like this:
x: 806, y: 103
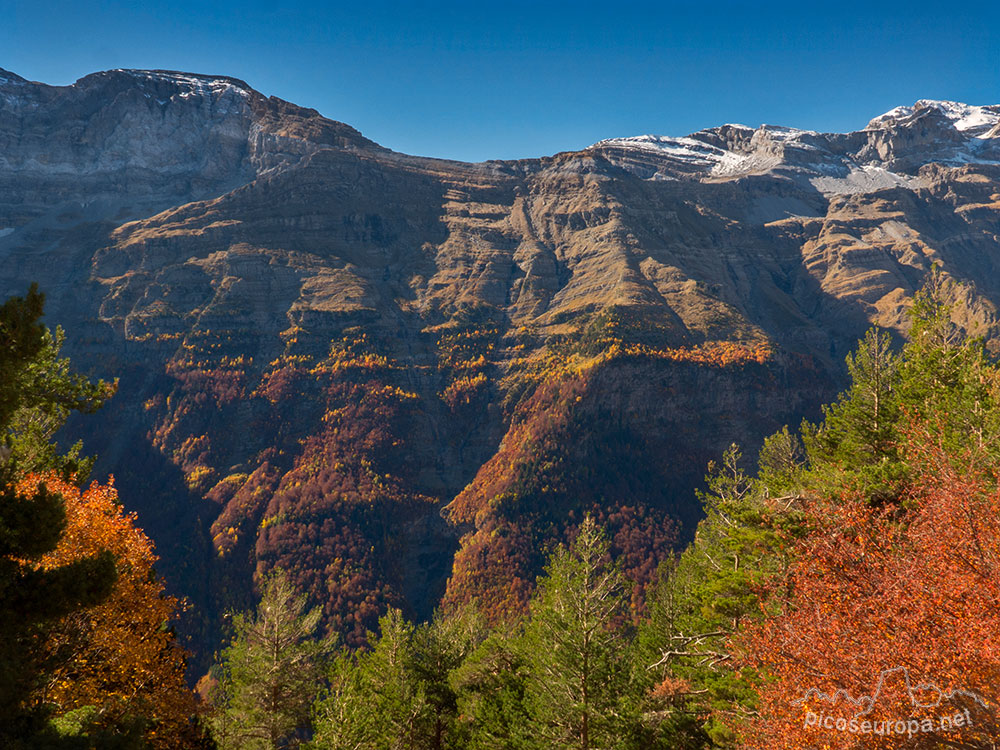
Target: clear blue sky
x: 512, y: 79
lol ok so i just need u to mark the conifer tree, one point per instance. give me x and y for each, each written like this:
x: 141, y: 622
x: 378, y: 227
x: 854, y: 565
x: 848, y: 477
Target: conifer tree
x: 441, y: 647
x: 945, y: 377
x: 490, y: 688
x: 575, y: 647
x: 702, y: 599
x: 861, y: 426
x: 941, y: 377
x: 51, y: 392
x: 31, y: 523
x: 376, y: 699
x: 858, y: 438
x: 781, y: 461
x: 271, y: 672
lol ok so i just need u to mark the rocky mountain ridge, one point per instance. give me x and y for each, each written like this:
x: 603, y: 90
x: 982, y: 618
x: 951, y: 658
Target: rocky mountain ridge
x: 401, y: 377
x: 888, y: 152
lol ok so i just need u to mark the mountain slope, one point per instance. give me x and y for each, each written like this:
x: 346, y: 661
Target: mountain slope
x: 401, y: 378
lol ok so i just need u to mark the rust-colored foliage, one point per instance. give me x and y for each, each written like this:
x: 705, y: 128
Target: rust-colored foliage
x: 892, y: 594
x: 331, y: 510
x: 464, y: 391
x: 329, y: 476
x: 204, y: 386
x: 562, y: 457
x: 333, y: 519
x: 615, y: 335
x: 466, y: 355
x: 119, y: 656
x: 217, y: 384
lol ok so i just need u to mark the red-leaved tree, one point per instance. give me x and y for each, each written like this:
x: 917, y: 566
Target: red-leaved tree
x: 885, y: 631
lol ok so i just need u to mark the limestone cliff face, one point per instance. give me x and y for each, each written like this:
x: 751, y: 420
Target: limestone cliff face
x: 323, y: 343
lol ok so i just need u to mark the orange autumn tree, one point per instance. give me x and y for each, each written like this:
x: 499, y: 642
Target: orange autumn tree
x: 897, y: 603
x: 116, y: 663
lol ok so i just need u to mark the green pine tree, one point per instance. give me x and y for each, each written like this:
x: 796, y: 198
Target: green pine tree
x: 575, y: 648
x: 491, y: 694
x: 781, y: 462
x: 271, y: 672
x: 376, y: 699
x: 947, y: 381
x: 693, y: 696
x: 51, y: 392
x: 439, y: 648
x: 858, y: 438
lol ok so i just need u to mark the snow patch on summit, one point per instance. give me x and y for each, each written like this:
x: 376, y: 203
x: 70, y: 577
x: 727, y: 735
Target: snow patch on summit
x: 696, y: 153
x: 886, y: 154
x: 687, y: 150
x: 974, y: 120
x: 196, y: 85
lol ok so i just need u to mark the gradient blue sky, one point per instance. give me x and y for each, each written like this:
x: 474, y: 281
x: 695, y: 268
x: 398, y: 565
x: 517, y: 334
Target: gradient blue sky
x: 505, y: 80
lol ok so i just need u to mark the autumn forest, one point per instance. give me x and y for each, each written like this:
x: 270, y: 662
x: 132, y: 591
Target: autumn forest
x: 840, y: 589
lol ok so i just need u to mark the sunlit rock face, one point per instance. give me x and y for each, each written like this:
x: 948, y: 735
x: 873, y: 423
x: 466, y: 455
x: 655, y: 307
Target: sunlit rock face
x: 401, y: 377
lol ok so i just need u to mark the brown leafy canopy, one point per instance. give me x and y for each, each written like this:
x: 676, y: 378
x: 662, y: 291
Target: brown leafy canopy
x: 560, y: 460
x: 325, y: 512
x: 567, y: 454
x: 877, y: 592
x: 120, y: 656
x: 37, y: 392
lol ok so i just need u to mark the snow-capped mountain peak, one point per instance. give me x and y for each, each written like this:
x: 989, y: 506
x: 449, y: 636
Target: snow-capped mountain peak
x: 979, y: 121
x: 194, y: 82
x: 890, y: 151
